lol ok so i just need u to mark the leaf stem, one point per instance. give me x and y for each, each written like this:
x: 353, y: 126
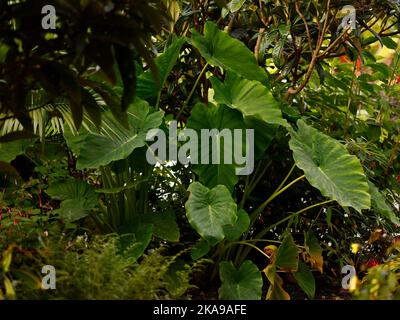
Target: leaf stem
x: 185, y: 104
x: 278, y: 192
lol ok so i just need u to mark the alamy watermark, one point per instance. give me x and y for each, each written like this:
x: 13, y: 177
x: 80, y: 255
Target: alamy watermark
x: 350, y: 274
x: 49, y: 280
x: 349, y: 20
x: 49, y: 20
x: 211, y: 146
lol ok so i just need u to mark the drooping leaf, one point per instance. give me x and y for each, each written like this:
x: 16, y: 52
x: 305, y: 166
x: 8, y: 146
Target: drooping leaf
x: 234, y: 232
x: 287, y: 256
x: 275, y: 290
x: 146, y: 86
x: 244, y: 283
x: 113, y: 142
x: 220, y: 118
x: 329, y: 167
x: 208, y: 210
x: 220, y: 49
x: 314, y: 251
x: 305, y: 279
x: 249, y: 97
x: 380, y: 205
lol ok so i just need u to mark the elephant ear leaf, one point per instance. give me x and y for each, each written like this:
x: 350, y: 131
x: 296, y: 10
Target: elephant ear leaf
x: 251, y: 98
x: 77, y: 197
x: 220, y: 49
x: 10, y: 150
x: 244, y: 283
x: 114, y: 142
x: 329, y: 167
x: 221, y: 118
x: 209, y: 210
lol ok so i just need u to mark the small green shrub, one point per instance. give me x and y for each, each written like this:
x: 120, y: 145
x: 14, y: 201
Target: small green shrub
x: 100, y: 269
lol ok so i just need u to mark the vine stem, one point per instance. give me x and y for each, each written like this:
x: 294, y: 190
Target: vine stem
x: 185, y: 104
x: 247, y: 244
x: 262, y: 233
x: 278, y: 192
x: 266, y: 230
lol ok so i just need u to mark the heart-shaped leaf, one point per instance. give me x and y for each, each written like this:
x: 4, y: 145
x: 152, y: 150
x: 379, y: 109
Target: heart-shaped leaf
x: 220, y: 118
x: 243, y: 284
x: 77, y: 197
x: 329, y: 167
x: 208, y: 210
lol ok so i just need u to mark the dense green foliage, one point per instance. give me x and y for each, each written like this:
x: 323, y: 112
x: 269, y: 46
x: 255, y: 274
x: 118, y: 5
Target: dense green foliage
x: 78, y: 193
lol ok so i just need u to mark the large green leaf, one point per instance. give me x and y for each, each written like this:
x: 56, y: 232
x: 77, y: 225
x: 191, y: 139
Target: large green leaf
x: 380, y: 205
x: 114, y: 142
x: 220, y: 49
x: 208, y: 210
x: 220, y: 118
x: 249, y: 97
x: 146, y: 86
x: 78, y: 198
x: 10, y: 150
x: 329, y: 167
x: 243, y: 284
